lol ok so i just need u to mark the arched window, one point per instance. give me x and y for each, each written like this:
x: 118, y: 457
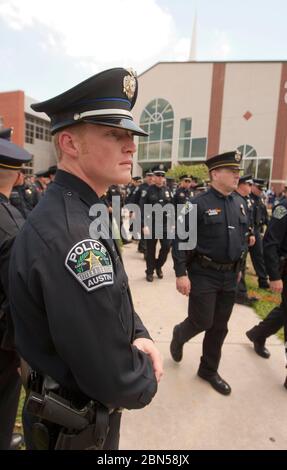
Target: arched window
x: 258, y: 167
x: 157, y: 120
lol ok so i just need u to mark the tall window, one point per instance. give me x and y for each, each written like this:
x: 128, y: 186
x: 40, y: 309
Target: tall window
x: 36, y: 128
x: 190, y: 148
x: 157, y: 120
x: 258, y: 167
x: 29, y: 167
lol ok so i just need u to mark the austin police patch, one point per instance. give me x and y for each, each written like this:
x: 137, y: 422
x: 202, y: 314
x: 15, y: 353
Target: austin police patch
x: 91, y: 264
x: 279, y: 212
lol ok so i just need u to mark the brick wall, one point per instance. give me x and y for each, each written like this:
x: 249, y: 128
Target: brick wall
x: 12, y: 113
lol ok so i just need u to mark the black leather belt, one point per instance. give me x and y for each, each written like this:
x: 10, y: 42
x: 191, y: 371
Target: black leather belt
x: 206, y: 262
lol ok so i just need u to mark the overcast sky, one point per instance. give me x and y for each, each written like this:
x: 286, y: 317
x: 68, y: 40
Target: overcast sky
x: 48, y: 46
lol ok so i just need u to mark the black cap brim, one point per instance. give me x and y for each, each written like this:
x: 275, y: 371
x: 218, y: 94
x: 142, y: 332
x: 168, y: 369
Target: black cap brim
x: 126, y: 124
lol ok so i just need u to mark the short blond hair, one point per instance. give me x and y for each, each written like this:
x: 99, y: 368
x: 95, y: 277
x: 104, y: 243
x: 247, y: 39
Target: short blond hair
x: 76, y: 129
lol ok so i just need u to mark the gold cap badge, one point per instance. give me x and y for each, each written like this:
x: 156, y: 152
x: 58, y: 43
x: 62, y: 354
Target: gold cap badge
x: 237, y: 156
x: 130, y: 83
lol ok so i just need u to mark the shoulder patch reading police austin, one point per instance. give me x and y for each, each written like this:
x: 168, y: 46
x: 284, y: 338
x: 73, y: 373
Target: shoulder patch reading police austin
x: 279, y: 212
x: 90, y: 263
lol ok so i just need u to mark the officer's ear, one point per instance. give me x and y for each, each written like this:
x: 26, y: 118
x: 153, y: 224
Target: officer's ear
x: 18, y: 178
x: 69, y: 143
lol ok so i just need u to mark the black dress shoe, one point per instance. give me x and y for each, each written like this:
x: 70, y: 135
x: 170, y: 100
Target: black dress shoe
x: 149, y: 277
x: 16, y: 441
x: 285, y: 383
x: 159, y: 273
x: 176, y: 348
x: 216, y: 382
x: 259, y: 346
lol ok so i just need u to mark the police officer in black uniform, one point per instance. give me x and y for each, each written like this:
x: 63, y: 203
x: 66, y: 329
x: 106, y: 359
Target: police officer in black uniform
x: 139, y: 193
x: 275, y: 254
x: 260, y: 219
x: 208, y: 274
x: 132, y: 188
x: 159, y: 194
x: 171, y: 184
x: 11, y: 159
x: 242, y: 193
x: 113, y: 192
x: 52, y: 172
x: 74, y: 319
x: 21, y: 196
x: 183, y: 192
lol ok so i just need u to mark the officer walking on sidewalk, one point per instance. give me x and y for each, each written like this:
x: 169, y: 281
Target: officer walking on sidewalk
x: 260, y: 219
x: 209, y: 273
x: 157, y: 194
x: 275, y: 255
x: 243, y: 192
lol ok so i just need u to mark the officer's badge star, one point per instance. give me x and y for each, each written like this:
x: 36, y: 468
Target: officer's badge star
x: 130, y: 84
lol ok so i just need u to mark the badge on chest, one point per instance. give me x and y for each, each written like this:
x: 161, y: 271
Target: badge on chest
x: 242, y: 210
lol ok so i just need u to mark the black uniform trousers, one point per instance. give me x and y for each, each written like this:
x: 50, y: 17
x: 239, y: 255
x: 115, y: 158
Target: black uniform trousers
x: 151, y: 262
x: 241, y: 286
x: 211, y: 301
x: 274, y: 320
x: 10, y: 386
x: 256, y: 254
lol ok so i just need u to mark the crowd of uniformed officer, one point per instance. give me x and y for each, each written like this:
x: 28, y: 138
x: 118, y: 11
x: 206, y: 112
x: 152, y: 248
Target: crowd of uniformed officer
x: 231, y: 219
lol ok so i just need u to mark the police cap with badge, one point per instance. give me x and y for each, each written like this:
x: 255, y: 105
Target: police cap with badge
x: 159, y: 170
x: 225, y: 160
x: 246, y: 179
x: 260, y: 183
x: 185, y: 178
x: 12, y: 157
x: 105, y: 99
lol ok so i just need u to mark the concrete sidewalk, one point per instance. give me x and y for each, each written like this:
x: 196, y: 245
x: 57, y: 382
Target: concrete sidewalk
x: 186, y: 412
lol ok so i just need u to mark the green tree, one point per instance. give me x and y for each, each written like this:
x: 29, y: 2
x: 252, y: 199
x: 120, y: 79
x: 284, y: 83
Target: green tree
x: 199, y: 171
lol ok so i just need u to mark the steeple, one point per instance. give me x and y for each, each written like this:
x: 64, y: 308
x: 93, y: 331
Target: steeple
x: 192, y: 52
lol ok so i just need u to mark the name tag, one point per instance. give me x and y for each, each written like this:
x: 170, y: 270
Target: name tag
x: 211, y: 212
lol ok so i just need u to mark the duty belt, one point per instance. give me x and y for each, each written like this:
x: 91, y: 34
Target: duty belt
x: 80, y: 428
x: 206, y: 262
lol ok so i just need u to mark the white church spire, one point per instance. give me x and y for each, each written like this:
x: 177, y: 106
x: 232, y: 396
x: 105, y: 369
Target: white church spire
x: 192, y: 52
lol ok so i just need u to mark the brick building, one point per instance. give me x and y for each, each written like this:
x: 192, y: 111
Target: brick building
x: 31, y: 130
x: 193, y: 110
